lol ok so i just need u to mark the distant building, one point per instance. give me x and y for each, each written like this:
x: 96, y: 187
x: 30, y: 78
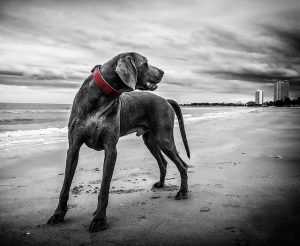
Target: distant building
x: 281, y: 90
x: 259, y: 97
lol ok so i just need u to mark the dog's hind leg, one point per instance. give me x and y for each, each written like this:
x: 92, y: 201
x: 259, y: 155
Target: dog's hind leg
x: 71, y: 164
x: 151, y: 144
x: 182, y: 161
x: 167, y: 145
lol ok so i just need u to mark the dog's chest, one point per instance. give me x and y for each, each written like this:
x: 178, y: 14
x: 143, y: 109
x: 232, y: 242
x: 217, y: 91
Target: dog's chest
x: 95, y: 126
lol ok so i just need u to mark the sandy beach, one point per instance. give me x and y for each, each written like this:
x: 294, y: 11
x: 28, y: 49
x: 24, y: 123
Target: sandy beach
x: 244, y: 181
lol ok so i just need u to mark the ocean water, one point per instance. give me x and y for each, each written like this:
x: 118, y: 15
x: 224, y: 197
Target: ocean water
x: 27, y: 125
x: 31, y: 124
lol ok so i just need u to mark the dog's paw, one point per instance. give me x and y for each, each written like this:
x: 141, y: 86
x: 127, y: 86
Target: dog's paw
x: 158, y: 185
x: 181, y: 195
x: 56, y: 218
x: 98, y: 225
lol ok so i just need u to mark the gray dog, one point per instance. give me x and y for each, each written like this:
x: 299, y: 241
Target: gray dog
x: 100, y: 115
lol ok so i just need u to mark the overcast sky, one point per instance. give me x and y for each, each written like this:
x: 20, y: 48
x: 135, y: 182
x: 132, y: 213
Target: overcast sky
x: 210, y: 50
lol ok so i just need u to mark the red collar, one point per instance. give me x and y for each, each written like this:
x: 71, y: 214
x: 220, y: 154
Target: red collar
x: 103, y: 85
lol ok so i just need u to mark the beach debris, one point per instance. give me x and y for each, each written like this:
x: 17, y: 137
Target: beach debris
x: 142, y: 217
x: 60, y: 174
x: 28, y: 233
x: 275, y: 156
x: 204, y: 209
x: 122, y: 204
x: 243, y: 153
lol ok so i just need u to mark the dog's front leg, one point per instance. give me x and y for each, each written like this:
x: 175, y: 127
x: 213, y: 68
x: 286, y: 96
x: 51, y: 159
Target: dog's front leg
x: 71, y: 164
x: 99, y: 221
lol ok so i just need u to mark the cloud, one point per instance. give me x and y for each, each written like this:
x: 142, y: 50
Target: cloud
x: 273, y: 55
x: 202, y: 47
x: 44, y: 83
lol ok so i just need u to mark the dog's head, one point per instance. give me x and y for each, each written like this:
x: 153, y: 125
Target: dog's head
x: 135, y: 72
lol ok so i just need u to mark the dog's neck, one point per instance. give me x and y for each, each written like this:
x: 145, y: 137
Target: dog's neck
x: 108, y: 72
x: 103, y: 85
x: 97, y: 99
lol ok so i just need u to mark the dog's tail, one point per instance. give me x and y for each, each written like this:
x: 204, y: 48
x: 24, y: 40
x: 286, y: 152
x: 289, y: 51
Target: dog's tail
x: 178, y: 112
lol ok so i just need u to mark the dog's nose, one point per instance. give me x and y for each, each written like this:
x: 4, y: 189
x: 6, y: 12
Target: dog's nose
x: 161, y: 75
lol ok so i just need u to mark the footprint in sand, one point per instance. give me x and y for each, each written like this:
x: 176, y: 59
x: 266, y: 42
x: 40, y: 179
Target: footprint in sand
x: 231, y: 205
x: 204, y: 209
x: 121, y: 191
x: 155, y: 197
x: 242, y: 242
x: 77, y: 190
x: 170, y: 178
x: 232, y: 229
x: 231, y: 195
x: 97, y: 181
x: 166, y: 188
x: 97, y: 169
x: 70, y: 206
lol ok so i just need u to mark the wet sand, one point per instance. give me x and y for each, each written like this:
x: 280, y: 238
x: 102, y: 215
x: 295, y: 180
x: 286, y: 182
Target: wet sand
x: 244, y: 181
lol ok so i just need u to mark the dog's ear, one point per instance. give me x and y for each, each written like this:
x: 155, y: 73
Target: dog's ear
x: 127, y: 71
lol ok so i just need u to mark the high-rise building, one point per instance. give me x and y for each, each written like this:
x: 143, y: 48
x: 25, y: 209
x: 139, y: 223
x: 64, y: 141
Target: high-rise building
x: 259, y: 97
x: 281, y: 90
